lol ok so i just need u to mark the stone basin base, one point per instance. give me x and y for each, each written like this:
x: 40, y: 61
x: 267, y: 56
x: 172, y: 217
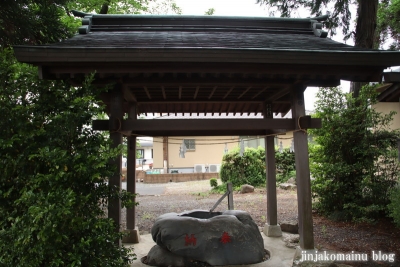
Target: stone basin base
x: 227, y: 238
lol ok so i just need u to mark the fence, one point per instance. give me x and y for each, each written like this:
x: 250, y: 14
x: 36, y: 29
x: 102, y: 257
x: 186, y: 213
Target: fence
x: 171, y: 177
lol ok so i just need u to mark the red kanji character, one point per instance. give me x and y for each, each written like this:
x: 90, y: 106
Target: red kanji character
x: 190, y: 240
x: 225, y: 238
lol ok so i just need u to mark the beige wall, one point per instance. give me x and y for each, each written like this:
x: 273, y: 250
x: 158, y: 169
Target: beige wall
x: 209, y: 150
x: 386, y: 107
x: 285, y: 139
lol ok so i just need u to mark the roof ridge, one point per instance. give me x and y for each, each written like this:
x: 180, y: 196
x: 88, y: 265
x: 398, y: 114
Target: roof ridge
x: 99, y: 22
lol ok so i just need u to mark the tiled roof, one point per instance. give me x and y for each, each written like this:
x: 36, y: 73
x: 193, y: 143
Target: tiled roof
x: 144, y: 31
x: 205, y: 64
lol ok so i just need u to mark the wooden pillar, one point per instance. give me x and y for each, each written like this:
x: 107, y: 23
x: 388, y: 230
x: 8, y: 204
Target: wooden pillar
x: 165, y: 154
x: 116, y: 115
x: 131, y: 228
x: 271, y: 227
x: 302, y: 172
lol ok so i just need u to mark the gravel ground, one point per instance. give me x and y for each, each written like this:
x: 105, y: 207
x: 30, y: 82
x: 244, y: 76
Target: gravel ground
x: 334, y: 236
x: 185, y: 196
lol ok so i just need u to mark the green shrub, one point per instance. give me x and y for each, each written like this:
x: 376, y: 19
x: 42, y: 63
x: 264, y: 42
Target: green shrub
x: 285, y: 165
x: 54, y: 169
x: 248, y: 169
x: 213, y: 182
x: 354, y: 164
x: 394, y: 206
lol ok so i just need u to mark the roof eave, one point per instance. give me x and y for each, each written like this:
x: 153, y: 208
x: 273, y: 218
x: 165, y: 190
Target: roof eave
x: 42, y: 55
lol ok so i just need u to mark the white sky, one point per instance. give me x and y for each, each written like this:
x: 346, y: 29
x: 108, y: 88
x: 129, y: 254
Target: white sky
x: 244, y: 8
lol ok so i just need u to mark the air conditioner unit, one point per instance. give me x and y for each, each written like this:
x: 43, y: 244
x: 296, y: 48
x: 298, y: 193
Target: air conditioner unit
x: 199, y: 168
x: 214, y: 167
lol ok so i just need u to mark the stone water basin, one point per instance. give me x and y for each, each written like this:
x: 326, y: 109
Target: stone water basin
x: 215, y: 238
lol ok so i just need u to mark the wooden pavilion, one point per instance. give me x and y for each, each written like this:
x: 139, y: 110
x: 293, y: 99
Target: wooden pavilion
x: 213, y: 65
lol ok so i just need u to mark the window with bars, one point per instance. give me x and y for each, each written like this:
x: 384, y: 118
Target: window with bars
x: 190, y: 144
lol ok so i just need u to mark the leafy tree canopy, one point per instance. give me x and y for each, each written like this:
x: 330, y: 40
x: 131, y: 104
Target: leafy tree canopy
x: 210, y: 12
x: 341, y: 17
x: 388, y: 27
x: 32, y: 22
x: 109, y: 6
x: 163, y: 7
x: 53, y: 187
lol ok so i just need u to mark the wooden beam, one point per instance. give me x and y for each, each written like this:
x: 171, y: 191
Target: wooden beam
x: 244, y: 92
x: 128, y: 95
x: 204, y: 82
x: 243, y: 108
x: 388, y: 92
x: 337, y: 70
x: 115, y: 124
x: 259, y: 92
x: 147, y: 92
x: 160, y: 125
x: 190, y: 101
x: 304, y: 201
x: 227, y: 109
x: 279, y: 94
x: 131, y: 172
x: 163, y: 92
x: 230, y: 90
x: 212, y: 92
x: 272, y: 209
x: 197, y: 91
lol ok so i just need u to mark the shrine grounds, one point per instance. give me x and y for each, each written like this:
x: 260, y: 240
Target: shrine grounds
x: 342, y: 237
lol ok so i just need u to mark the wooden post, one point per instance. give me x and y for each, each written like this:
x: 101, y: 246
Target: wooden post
x: 271, y: 227
x: 131, y: 228
x: 116, y: 115
x: 398, y: 149
x: 165, y: 154
x: 302, y: 172
x: 230, y: 196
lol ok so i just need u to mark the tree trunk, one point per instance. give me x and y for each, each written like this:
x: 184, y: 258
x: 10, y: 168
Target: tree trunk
x: 104, y: 7
x: 365, y: 32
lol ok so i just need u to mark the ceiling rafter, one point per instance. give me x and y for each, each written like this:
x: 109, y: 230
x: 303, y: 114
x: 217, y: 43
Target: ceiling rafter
x: 212, y: 92
x: 196, y: 92
x: 227, y: 93
x: 147, y: 92
x: 128, y: 95
x: 228, y: 108
x: 163, y: 92
x: 243, y: 109
x: 244, y: 92
x: 278, y: 94
x: 260, y: 92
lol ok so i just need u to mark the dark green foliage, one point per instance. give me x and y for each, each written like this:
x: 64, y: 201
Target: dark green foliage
x: 355, y: 164
x: 54, y: 170
x: 109, y: 6
x: 388, y: 26
x: 285, y: 165
x: 213, y: 182
x: 32, y: 22
x: 248, y: 169
x: 394, y: 206
x: 340, y: 17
